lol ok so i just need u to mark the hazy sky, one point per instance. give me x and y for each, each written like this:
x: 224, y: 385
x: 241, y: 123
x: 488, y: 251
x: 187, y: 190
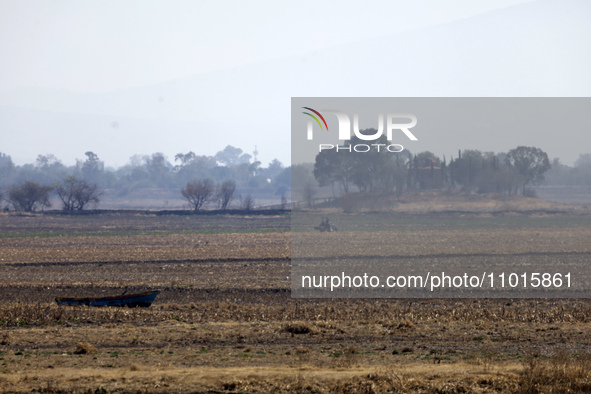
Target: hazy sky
x: 137, y: 77
x: 97, y: 46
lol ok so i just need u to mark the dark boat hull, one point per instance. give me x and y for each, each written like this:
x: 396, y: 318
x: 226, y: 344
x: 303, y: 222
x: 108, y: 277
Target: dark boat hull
x: 144, y: 299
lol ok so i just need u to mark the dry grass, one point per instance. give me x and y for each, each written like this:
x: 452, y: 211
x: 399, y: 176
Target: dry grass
x: 394, y: 317
x: 85, y: 348
x: 443, y: 242
x: 297, y: 328
x: 436, y: 201
x: 562, y: 372
x: 459, y: 378
x: 225, y: 321
x: 144, y: 248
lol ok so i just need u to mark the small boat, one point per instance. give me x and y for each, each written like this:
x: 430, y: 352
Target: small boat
x: 144, y: 299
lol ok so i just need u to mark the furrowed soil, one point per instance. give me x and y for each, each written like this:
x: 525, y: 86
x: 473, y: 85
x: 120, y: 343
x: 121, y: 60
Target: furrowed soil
x: 225, y: 320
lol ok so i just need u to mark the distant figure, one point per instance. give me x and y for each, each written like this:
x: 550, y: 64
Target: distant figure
x: 326, y: 225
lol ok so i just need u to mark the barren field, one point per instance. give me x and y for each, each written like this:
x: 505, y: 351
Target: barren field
x: 225, y: 320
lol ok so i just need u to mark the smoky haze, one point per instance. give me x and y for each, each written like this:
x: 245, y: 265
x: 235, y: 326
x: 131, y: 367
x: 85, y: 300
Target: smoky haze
x: 121, y: 88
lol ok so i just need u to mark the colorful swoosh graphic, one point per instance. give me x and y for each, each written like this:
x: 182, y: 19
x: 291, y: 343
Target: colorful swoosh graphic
x: 315, y: 118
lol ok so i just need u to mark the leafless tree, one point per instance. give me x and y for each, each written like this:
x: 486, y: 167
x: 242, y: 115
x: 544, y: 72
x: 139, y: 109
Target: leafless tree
x: 247, y: 203
x: 76, y: 193
x: 197, y: 192
x: 283, y: 201
x: 29, y: 196
x: 225, y: 193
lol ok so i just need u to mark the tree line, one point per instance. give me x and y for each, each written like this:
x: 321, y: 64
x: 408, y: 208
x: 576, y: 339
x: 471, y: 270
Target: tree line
x: 29, y: 187
x: 151, y: 171
x: 204, y: 179
x: 30, y: 196
x: 377, y: 171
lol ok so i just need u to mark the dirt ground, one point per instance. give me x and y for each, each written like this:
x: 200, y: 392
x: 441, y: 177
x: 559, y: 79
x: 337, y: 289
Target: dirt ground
x: 225, y: 320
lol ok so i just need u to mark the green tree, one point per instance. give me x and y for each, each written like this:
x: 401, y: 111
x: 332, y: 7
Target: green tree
x: 232, y: 156
x: 184, y: 158
x: 283, y: 179
x: 49, y: 169
x: 400, y: 172
x: 92, y: 167
x: 193, y: 166
x: 274, y: 168
x: 466, y: 170
x: 334, y: 167
x: 427, y: 159
x: 529, y: 162
x: 584, y: 161
x: 424, y: 174
x: 158, y: 167
x: 369, y: 171
x: 372, y: 170
x: 6, y: 168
